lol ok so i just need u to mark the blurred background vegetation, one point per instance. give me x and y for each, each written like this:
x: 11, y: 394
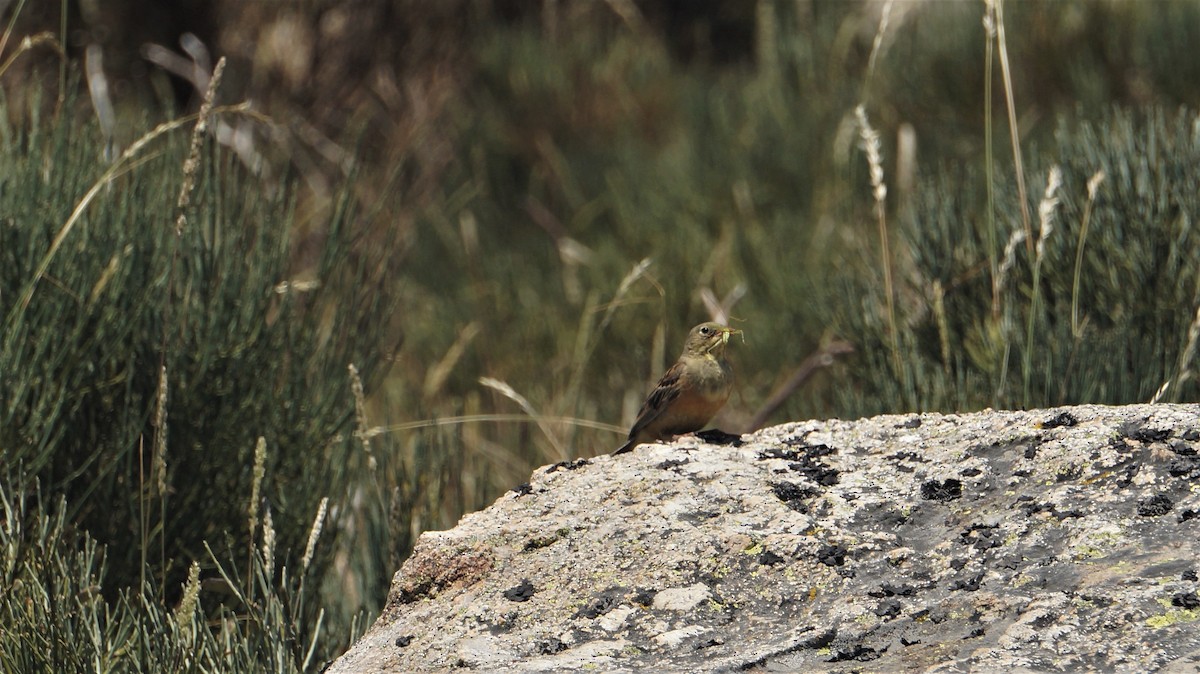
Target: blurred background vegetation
x: 447, y: 242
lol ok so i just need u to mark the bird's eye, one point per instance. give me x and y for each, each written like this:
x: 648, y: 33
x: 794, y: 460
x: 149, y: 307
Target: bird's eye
x: 706, y: 330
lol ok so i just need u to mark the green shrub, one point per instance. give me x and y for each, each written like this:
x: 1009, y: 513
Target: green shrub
x: 254, y: 335
x: 1116, y: 337
x: 56, y: 618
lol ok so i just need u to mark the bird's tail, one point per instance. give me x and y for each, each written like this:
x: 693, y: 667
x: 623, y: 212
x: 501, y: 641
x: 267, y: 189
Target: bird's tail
x: 627, y: 447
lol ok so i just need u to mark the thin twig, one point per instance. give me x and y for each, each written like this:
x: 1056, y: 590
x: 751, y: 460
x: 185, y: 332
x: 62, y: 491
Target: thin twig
x: 1013, y: 132
x: 824, y: 357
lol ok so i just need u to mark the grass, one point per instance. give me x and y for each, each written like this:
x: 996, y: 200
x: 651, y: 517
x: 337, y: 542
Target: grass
x: 231, y: 404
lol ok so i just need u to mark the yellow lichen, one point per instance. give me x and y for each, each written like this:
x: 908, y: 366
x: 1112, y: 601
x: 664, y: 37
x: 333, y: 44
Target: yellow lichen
x: 1173, y: 618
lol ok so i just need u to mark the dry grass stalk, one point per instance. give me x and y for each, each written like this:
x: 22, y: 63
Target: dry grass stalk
x: 258, y: 473
x: 939, y: 313
x: 314, y: 534
x: 511, y: 393
x: 186, y: 611
x: 160, y: 434
x: 362, y: 429
x: 1183, y: 372
x: 1046, y: 208
x: 1007, y: 262
x: 872, y: 147
x: 268, y: 546
x: 1093, y: 186
x: 192, y: 164
x: 996, y: 8
x: 884, y: 17
x: 125, y: 163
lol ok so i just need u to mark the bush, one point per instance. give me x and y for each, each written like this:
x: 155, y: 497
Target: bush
x: 143, y: 359
x: 1099, y: 311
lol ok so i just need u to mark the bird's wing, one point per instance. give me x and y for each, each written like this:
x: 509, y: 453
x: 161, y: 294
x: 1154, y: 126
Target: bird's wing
x: 667, y: 390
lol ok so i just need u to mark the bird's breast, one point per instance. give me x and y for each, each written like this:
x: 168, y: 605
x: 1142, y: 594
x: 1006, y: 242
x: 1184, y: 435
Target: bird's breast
x: 712, y: 379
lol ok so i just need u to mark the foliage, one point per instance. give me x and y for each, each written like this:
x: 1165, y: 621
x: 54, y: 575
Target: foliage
x: 587, y: 185
x: 57, y: 619
x: 149, y: 356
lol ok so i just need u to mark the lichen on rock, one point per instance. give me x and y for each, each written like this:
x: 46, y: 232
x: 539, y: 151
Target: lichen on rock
x: 1062, y: 539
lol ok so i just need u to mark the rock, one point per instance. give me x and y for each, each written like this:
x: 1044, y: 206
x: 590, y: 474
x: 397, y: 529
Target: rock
x: 1061, y: 540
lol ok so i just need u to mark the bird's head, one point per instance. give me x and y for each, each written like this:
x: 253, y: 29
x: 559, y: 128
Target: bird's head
x: 708, y: 339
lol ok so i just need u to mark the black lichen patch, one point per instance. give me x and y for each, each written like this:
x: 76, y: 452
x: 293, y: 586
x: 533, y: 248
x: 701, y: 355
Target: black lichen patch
x: 1028, y: 445
x: 1191, y: 434
x: 1137, y: 430
x: 718, y: 437
x: 1181, y: 448
x: 1190, y: 574
x: 1050, y: 509
x: 523, y: 489
x: 568, y: 465
x: 522, y: 592
x: 1068, y: 474
x: 672, y: 463
x: 1188, y: 514
x: 550, y: 646
x: 1035, y: 507
x: 1155, y: 506
x: 880, y: 516
x: 968, y: 585
x: 1024, y: 445
x: 819, y: 450
x: 982, y: 537
x: 797, y: 449
x: 785, y: 453
x: 803, y: 460
x: 1120, y: 446
x: 822, y: 640
x: 832, y: 555
x: 889, y: 590
x: 644, y: 597
x: 539, y: 542
x: 1128, y: 472
x: 816, y: 471
x: 403, y: 641
x: 503, y: 624
x: 1185, y: 467
x: 1148, y: 436
x: 699, y: 516
x: 604, y: 602
x: 859, y: 653
x: 1060, y: 420
x: 769, y: 558
x: 801, y: 444
x: 908, y: 455
x: 1097, y: 600
x: 911, y: 422
x: 1186, y: 600
x: 945, y: 490
x: 888, y: 609
x: 970, y: 472
x: 793, y: 495
x: 1043, y: 621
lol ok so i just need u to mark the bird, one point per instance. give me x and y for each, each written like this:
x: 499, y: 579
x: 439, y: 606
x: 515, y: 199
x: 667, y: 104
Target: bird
x: 690, y: 392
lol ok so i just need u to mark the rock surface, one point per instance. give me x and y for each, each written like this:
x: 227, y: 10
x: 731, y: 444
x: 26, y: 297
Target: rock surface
x: 1048, y: 540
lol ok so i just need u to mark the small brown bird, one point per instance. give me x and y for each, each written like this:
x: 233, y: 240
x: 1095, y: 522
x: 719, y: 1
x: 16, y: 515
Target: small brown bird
x: 691, y: 391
